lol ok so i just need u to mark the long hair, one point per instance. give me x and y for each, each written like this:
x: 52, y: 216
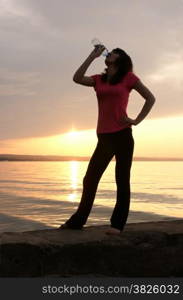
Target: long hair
x: 124, y: 65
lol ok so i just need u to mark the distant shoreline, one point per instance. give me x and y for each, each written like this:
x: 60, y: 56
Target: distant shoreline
x: 16, y: 157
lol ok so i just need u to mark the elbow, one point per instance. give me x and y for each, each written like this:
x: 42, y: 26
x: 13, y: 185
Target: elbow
x: 151, y: 100
x: 74, y: 79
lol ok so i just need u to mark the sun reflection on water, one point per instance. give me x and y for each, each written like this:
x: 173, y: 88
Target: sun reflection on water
x: 74, y: 180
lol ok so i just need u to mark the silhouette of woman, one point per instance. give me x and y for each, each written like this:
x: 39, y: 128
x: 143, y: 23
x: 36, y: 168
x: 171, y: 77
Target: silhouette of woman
x: 114, y: 132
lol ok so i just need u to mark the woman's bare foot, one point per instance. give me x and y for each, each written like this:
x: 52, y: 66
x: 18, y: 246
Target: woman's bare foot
x: 113, y: 231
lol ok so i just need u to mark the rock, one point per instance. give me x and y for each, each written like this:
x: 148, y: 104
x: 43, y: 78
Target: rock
x: 151, y: 249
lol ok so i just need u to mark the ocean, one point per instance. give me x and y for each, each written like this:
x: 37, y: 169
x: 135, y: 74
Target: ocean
x: 38, y: 195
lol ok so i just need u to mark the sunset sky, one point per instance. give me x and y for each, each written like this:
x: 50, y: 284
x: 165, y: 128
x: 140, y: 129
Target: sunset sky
x: 43, y: 42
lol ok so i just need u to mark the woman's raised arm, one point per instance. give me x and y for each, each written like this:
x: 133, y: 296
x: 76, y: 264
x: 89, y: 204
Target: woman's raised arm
x: 79, y: 74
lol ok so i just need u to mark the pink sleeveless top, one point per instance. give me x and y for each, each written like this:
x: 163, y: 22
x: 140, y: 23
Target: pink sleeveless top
x: 112, y: 102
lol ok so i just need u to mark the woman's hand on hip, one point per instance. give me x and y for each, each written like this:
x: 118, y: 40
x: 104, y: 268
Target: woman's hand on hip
x: 128, y: 121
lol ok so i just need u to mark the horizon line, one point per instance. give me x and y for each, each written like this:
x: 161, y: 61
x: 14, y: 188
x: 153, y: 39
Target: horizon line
x: 73, y: 157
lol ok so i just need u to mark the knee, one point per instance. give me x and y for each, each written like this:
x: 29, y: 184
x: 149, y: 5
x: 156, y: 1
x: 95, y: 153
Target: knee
x: 123, y: 182
x: 89, y: 180
x: 85, y: 180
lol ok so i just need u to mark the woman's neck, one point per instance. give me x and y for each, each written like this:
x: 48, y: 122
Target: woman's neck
x: 111, y: 70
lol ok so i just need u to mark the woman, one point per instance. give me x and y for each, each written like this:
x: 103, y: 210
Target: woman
x: 114, y: 133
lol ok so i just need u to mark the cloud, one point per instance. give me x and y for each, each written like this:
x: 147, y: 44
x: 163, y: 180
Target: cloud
x: 18, y: 83
x: 44, y: 42
x: 171, y: 69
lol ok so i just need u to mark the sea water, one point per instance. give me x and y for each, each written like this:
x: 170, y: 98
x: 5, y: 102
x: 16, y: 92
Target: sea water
x: 38, y: 195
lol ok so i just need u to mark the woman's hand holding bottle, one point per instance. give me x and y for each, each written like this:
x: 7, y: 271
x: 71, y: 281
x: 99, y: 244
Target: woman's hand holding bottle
x: 98, y: 50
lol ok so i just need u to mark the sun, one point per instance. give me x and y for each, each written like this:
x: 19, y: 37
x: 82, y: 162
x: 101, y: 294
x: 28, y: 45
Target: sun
x: 74, y: 134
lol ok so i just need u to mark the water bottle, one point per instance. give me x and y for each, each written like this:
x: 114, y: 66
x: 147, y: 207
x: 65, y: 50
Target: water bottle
x: 95, y: 42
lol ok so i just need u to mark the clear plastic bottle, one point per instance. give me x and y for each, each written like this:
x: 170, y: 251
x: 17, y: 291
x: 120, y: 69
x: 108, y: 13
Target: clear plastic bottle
x: 95, y: 42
